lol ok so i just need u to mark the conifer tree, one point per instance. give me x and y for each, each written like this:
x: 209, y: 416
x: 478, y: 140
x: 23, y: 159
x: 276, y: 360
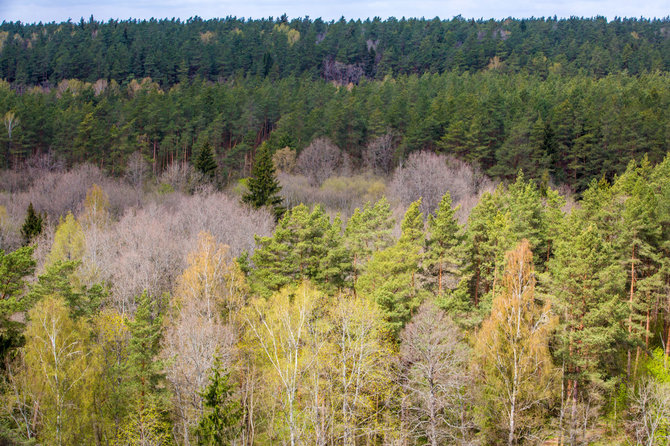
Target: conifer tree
x: 367, y: 232
x: 391, y: 277
x: 587, y: 284
x: 146, y: 331
x: 305, y: 245
x: 32, y: 226
x: 205, y: 163
x: 14, y: 268
x: 263, y: 185
x: 444, y: 251
x: 222, y: 421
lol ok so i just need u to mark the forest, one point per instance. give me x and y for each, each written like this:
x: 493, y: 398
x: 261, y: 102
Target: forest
x: 297, y: 232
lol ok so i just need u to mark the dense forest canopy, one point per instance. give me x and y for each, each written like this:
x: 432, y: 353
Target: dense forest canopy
x: 564, y: 99
x: 400, y: 232
x: 172, y: 51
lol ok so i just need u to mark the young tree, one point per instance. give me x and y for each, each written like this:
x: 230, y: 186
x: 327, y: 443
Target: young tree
x: 69, y: 243
x: 61, y: 366
x: 208, y: 295
x: 513, y: 365
x: 279, y: 335
x: 263, y: 185
x: 32, y: 226
x: 434, y: 360
x: 358, y: 365
x: 221, y: 422
x: 205, y: 162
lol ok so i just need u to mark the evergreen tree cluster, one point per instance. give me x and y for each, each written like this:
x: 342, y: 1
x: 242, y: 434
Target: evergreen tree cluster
x: 171, y: 51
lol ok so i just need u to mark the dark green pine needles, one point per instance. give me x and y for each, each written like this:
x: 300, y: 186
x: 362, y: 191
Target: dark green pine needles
x: 263, y: 185
x: 205, y: 163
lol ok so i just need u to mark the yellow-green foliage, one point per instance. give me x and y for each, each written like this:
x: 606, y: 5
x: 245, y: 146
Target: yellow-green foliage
x: 96, y: 207
x: 362, y: 187
x: 3, y: 38
x: 69, y: 243
x: 207, y: 36
x: 61, y: 367
x: 292, y: 35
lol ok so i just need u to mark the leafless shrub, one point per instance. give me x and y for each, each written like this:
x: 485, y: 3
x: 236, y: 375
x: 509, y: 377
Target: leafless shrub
x: 137, y: 171
x: 342, y: 73
x: 429, y: 176
x: 336, y: 194
x: 378, y: 154
x: 320, y: 160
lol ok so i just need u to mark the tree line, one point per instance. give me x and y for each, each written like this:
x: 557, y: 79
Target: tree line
x: 174, y: 51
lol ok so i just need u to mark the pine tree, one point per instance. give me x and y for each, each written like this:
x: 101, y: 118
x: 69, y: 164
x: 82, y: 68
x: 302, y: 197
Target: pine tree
x: 14, y: 268
x: 32, y: 226
x: 444, y: 245
x: 263, y: 185
x: 305, y: 245
x: 367, y: 232
x: 222, y: 422
x: 587, y: 284
x: 205, y: 163
x: 146, y: 331
x: 391, y: 277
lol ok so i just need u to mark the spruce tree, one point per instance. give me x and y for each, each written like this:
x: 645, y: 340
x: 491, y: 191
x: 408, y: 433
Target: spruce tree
x: 221, y: 423
x: 263, y: 185
x: 205, y: 163
x: 32, y: 226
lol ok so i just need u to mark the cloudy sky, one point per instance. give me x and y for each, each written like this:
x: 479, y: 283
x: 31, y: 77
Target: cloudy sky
x: 59, y: 10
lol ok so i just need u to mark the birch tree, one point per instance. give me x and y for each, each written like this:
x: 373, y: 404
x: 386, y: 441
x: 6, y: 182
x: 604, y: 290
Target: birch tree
x: 512, y: 362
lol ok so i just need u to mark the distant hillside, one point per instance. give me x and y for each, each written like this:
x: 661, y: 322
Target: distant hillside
x: 171, y: 51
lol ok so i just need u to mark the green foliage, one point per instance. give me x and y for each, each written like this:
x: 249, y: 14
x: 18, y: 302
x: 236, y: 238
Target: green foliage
x: 221, y: 422
x: 146, y: 371
x: 391, y: 279
x: 444, y: 252
x: 14, y: 268
x: 32, y: 225
x: 263, y: 185
x: 205, y: 162
x: 305, y: 245
x: 59, y: 279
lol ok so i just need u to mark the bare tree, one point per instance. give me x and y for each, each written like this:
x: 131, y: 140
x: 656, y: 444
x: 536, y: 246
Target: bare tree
x: 434, y: 359
x: 378, y: 154
x: 320, y: 160
x: 650, y: 410
x: 429, y: 176
x: 136, y: 173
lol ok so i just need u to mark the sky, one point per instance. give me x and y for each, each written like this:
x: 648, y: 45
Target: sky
x: 29, y: 11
